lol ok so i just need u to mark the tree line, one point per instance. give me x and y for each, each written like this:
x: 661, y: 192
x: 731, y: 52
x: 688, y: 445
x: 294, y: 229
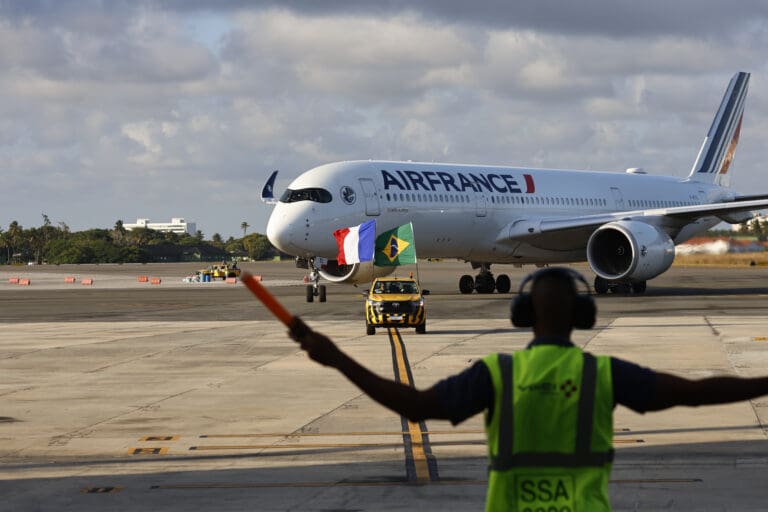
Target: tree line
x: 57, y: 244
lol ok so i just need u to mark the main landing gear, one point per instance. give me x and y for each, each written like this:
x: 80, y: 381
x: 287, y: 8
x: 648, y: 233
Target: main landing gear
x: 603, y: 286
x: 315, y: 289
x: 484, y: 282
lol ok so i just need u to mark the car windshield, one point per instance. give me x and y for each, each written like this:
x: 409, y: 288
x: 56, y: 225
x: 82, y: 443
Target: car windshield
x: 395, y: 287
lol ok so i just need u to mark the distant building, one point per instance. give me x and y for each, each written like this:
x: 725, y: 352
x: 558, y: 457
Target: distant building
x: 748, y: 225
x: 177, y: 225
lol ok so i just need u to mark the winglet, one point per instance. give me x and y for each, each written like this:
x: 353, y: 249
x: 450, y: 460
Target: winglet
x: 267, y: 192
x: 720, y: 143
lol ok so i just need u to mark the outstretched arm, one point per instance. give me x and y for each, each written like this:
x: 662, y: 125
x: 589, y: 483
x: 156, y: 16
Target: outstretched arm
x: 407, y: 401
x: 672, y: 390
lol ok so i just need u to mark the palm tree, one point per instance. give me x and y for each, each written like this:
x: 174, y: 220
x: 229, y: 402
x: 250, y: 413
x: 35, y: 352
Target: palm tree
x: 244, y: 226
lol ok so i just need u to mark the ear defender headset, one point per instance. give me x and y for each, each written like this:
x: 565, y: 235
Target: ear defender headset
x: 584, y: 312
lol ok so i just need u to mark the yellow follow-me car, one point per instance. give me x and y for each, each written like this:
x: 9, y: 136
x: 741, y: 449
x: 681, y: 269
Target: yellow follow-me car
x: 395, y: 302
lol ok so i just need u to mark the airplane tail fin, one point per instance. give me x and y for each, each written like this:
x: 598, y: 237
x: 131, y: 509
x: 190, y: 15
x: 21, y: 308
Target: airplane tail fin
x: 719, y: 145
x: 267, y: 192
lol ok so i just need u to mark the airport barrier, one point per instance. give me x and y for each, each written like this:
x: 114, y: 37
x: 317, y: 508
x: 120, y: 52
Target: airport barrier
x: 155, y: 280
x: 231, y: 280
x: 256, y: 278
x: 24, y: 282
x: 13, y: 280
x: 87, y: 282
x: 143, y: 279
x: 69, y: 280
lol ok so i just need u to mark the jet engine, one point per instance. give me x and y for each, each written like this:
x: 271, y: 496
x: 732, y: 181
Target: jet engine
x: 353, y: 274
x: 629, y: 250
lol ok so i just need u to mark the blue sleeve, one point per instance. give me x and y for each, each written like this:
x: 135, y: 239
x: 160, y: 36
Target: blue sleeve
x: 465, y: 394
x: 634, y: 386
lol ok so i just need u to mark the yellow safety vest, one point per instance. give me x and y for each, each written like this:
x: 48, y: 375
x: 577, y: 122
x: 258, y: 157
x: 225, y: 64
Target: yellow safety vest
x: 550, y: 438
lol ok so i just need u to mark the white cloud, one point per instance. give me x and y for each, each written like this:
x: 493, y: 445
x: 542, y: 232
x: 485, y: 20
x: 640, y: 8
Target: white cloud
x: 147, y: 111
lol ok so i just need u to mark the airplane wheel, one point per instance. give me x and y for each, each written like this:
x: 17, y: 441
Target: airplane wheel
x: 466, y: 284
x: 601, y: 285
x: 503, y: 284
x: 484, y: 283
x: 639, y: 287
x: 310, y: 293
x: 370, y: 330
x: 321, y: 293
x: 421, y: 328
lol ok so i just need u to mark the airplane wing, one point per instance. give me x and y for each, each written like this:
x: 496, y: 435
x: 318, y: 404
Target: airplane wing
x: 532, y: 226
x: 750, y: 197
x: 267, y: 193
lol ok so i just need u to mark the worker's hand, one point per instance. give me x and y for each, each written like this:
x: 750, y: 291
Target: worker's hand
x: 320, y: 348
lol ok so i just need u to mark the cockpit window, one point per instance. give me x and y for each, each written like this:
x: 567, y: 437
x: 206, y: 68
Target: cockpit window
x: 318, y: 195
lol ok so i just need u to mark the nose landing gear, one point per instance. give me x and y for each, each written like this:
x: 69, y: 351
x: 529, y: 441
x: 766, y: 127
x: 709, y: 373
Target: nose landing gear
x: 315, y: 289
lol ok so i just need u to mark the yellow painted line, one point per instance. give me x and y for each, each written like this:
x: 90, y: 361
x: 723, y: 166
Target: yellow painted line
x: 760, y: 338
x: 627, y: 441
x: 344, y: 434
x: 102, y: 490
x: 147, y: 439
x: 414, y: 430
x: 147, y: 451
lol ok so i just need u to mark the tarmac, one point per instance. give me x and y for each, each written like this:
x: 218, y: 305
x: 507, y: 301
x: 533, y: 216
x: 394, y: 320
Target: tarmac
x: 122, y: 395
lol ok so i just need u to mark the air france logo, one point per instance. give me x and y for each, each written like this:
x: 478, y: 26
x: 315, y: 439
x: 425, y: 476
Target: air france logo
x: 348, y: 195
x: 441, y: 181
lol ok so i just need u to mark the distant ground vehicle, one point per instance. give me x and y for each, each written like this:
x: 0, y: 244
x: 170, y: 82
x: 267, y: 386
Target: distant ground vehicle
x: 395, y: 302
x: 224, y: 271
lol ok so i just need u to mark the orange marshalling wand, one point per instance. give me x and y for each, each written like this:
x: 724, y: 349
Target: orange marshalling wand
x: 267, y: 298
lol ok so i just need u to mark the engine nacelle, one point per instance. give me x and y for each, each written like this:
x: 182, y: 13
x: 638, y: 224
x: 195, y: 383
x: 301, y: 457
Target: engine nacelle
x: 629, y: 250
x: 353, y: 274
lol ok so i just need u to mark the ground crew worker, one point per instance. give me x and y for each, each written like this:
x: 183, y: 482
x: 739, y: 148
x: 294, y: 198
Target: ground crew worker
x: 548, y: 408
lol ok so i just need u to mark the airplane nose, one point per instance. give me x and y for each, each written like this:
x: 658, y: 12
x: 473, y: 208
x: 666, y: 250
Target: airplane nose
x: 279, y: 232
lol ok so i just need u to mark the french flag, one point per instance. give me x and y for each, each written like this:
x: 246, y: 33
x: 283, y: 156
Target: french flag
x: 356, y: 243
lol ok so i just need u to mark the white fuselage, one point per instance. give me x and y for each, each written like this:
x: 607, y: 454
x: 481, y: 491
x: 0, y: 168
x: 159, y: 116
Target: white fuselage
x: 465, y: 211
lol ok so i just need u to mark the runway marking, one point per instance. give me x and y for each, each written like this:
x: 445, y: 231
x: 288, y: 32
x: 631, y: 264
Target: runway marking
x: 420, y: 464
x: 147, y: 451
x: 343, y: 434
x: 368, y: 433
x: 102, y: 490
x: 298, y: 446
x: 342, y: 483
x: 382, y: 483
x: 159, y: 438
x: 760, y: 338
x: 657, y: 481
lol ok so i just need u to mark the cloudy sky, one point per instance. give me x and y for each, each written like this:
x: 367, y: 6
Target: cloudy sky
x: 157, y: 109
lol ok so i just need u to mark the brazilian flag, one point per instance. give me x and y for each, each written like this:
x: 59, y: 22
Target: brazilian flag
x: 395, y: 247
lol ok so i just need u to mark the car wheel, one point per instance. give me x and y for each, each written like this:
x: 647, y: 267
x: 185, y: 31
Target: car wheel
x: 370, y: 330
x: 421, y: 328
x: 321, y: 293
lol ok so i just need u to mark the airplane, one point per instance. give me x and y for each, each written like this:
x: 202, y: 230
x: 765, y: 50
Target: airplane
x: 624, y: 224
